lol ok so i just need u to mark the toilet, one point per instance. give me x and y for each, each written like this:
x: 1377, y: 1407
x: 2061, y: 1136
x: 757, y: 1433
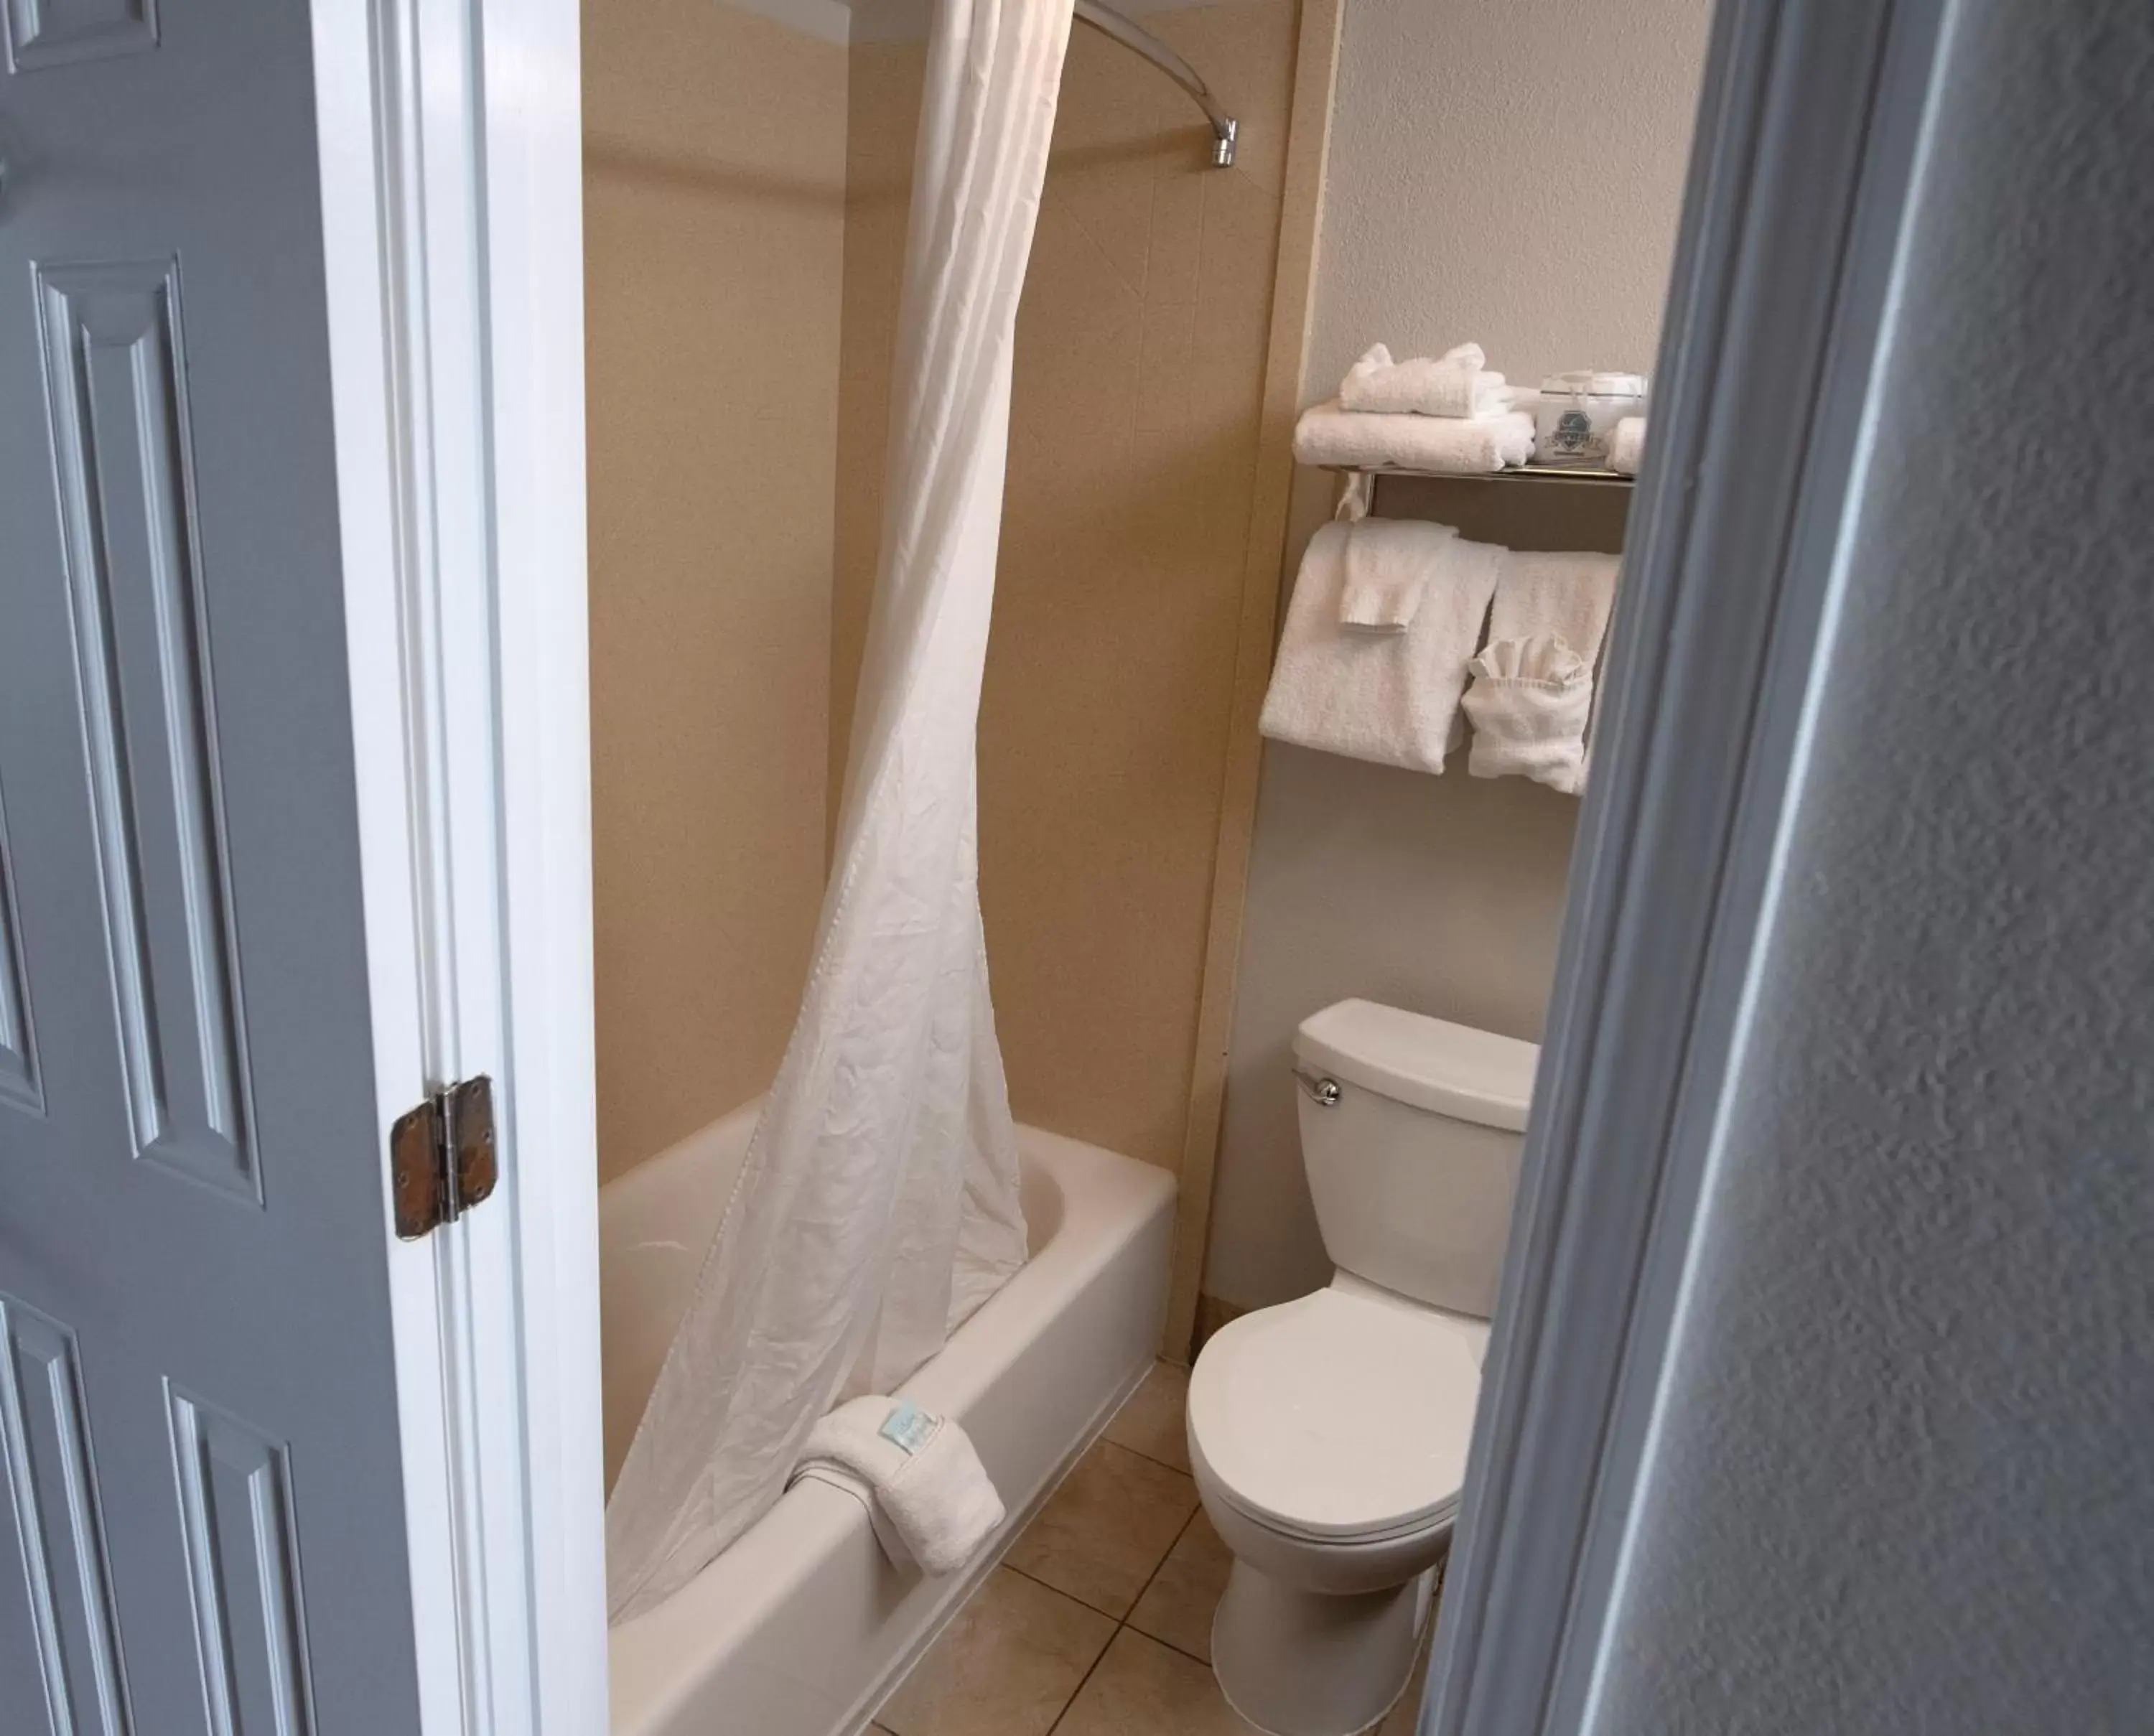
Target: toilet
x: 1328, y: 1435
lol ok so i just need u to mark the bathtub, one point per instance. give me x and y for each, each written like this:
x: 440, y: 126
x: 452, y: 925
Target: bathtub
x: 802, y: 1627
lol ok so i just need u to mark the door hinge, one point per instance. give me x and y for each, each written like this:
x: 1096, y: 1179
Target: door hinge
x: 440, y: 1156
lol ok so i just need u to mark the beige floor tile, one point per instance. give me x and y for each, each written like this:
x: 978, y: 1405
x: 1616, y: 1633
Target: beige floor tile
x: 1006, y: 1667
x: 1104, y: 1531
x: 1143, y: 1688
x: 1151, y: 1420
x: 1177, y: 1606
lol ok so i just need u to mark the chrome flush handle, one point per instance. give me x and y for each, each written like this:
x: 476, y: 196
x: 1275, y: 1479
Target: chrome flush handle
x: 1323, y: 1093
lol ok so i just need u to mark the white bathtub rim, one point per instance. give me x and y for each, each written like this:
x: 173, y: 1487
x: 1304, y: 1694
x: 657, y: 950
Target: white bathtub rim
x: 965, y: 1584
x: 1107, y: 1201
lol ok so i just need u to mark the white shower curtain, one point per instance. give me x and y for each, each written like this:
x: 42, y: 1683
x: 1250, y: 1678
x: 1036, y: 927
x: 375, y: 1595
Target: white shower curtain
x: 877, y: 1206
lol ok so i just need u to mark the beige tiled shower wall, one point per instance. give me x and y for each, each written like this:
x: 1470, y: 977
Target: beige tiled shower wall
x: 1133, y: 444
x: 714, y: 218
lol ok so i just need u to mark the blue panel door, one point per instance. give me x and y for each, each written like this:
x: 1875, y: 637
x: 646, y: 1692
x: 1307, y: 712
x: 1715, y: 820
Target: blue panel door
x: 203, y: 1525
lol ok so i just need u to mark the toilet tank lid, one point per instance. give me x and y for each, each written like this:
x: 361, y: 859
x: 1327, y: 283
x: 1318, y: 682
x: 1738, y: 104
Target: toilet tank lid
x: 1450, y: 1069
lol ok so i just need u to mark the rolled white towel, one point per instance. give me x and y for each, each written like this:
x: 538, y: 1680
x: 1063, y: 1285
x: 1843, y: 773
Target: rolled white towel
x: 1356, y: 440
x: 1388, y: 564
x: 1529, y: 705
x: 1627, y: 445
x: 928, y: 1496
x: 1455, y: 384
x: 1389, y: 697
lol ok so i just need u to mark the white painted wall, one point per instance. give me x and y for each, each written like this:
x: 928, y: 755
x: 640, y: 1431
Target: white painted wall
x: 1905, y: 1480
x: 1506, y: 170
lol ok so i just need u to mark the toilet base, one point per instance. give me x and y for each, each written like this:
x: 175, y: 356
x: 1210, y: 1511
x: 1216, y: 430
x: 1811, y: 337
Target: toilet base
x: 1312, y: 1663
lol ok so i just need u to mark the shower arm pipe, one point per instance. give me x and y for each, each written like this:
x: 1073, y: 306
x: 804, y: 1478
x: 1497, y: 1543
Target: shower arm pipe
x: 1133, y: 37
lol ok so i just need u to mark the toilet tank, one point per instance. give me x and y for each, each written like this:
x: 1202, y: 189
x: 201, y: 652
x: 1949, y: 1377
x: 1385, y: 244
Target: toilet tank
x: 1410, y: 1130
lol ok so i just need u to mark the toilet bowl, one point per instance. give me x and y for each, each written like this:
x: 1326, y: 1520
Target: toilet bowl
x: 1328, y: 1435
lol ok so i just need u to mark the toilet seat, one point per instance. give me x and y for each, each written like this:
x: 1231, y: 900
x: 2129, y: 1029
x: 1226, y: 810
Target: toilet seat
x: 1342, y: 1417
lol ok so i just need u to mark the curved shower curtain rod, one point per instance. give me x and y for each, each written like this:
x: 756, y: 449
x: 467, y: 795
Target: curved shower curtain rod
x: 1139, y: 40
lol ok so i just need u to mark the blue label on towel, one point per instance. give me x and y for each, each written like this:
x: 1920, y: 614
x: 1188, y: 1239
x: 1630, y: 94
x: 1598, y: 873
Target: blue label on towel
x: 908, y: 1427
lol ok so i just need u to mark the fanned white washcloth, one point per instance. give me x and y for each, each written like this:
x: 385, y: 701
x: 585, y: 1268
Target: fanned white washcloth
x: 1456, y: 384
x: 1532, y: 695
x: 1568, y: 594
x: 1389, y: 697
x: 1388, y: 562
x: 1359, y: 440
x: 928, y: 1497
x: 1627, y: 445
x: 1527, y: 706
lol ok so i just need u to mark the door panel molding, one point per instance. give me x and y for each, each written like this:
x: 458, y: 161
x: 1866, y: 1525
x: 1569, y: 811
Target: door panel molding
x: 57, y: 33
x: 19, y: 1046
x: 44, y: 1445
x: 235, y: 1495
x: 121, y: 455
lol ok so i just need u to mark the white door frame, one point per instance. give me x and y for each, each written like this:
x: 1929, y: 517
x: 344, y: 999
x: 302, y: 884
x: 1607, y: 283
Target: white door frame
x: 451, y: 137
x: 451, y: 143
x: 1781, y: 312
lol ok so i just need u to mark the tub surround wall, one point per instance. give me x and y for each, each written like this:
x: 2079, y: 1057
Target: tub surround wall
x: 1510, y: 172
x: 714, y: 212
x: 1140, y: 358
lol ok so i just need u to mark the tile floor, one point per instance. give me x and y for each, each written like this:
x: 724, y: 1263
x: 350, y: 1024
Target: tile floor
x: 1098, y: 1620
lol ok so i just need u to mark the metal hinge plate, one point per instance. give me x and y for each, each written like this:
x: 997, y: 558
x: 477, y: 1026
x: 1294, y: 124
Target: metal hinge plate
x: 440, y: 1156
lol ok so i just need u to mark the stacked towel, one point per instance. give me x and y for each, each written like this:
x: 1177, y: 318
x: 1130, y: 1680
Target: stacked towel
x: 1359, y: 440
x: 1388, y: 564
x: 1456, y: 384
x: 1389, y: 697
x: 927, y: 1495
x: 1627, y: 445
x: 1532, y: 684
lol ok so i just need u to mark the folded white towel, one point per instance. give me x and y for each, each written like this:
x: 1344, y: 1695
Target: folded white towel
x: 1355, y: 440
x: 1627, y: 444
x: 927, y: 1495
x: 1565, y: 593
x: 1456, y: 384
x: 1389, y: 697
x: 1527, y: 706
x: 1388, y: 562
x: 1532, y: 695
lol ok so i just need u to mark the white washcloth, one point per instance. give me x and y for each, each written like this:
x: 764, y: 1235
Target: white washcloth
x: 1356, y: 440
x: 927, y: 1495
x: 1568, y: 594
x: 1527, y: 706
x: 1390, y: 698
x: 1388, y: 562
x: 1627, y: 444
x: 1456, y: 384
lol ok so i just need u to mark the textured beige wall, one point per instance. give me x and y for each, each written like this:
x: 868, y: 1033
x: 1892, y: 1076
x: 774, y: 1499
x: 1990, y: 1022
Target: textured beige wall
x: 1505, y: 171
x: 713, y: 188
x: 1510, y: 171
x: 1441, y: 895
x: 1139, y: 361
